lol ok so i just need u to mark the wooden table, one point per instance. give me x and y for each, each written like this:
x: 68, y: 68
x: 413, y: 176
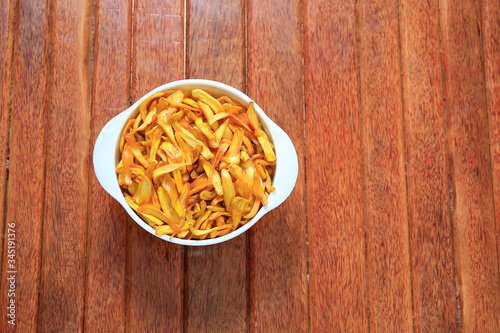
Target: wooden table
x: 393, y: 107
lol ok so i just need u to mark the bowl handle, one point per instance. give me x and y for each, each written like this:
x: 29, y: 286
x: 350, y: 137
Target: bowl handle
x: 287, y: 167
x: 105, y: 155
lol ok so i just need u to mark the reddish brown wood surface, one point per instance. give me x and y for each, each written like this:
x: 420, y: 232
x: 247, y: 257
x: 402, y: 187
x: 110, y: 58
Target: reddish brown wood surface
x: 434, y: 302
x: 216, y: 31
x: 155, y: 267
x: 7, y: 13
x: 107, y: 230
x: 470, y: 166
x: 65, y: 223
x: 216, y: 280
x: 389, y: 274
x: 22, y: 245
x: 391, y: 225
x: 337, y: 273
x: 278, y: 262
x: 491, y: 40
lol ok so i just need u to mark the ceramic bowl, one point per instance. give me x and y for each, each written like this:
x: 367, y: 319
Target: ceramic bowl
x: 107, y: 156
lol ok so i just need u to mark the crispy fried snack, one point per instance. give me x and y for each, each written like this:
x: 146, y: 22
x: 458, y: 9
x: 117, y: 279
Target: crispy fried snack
x: 194, y: 166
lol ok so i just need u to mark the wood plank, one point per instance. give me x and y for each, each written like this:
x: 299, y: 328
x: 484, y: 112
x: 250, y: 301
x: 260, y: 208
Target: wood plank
x: 22, y: 244
x: 434, y: 303
x: 278, y: 250
x: 216, y: 292
x: 491, y: 40
x: 155, y: 267
x: 64, y: 229
x: 384, y: 161
x: 216, y: 274
x: 7, y: 13
x: 216, y: 31
x: 107, y: 230
x: 337, y: 260
x: 470, y: 166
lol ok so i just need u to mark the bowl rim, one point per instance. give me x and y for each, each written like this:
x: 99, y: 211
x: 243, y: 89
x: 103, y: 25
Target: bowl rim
x: 106, y: 149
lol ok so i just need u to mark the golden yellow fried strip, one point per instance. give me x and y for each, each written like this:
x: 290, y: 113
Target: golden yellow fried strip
x: 126, y: 128
x: 227, y: 188
x: 151, y: 220
x: 143, y: 107
x: 239, y: 207
x: 190, y: 102
x: 176, y: 97
x: 266, y: 145
x: 152, y: 210
x: 254, y: 210
x: 207, y: 99
x: 233, y: 153
x: 166, y: 169
x: 253, y: 118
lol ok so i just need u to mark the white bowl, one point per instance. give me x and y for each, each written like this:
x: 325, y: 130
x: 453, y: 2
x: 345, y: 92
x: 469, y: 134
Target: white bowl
x: 107, y: 156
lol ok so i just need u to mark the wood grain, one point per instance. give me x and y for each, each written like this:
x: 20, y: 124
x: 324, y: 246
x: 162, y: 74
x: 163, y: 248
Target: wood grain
x: 384, y: 164
x: 470, y: 166
x: 434, y: 303
x: 26, y: 168
x: 216, y: 41
x: 278, y: 252
x: 216, y: 281
x: 491, y: 40
x: 155, y: 267
x: 7, y: 13
x: 216, y: 295
x: 66, y: 187
x: 107, y: 230
x: 337, y: 272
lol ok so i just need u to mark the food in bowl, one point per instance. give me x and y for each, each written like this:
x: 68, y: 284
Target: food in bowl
x: 194, y: 166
